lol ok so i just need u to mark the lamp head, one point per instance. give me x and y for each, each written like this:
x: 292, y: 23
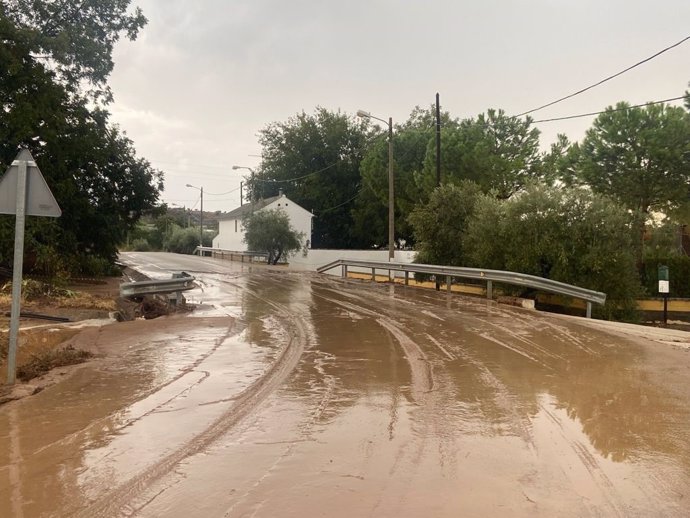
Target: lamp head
x: 363, y: 114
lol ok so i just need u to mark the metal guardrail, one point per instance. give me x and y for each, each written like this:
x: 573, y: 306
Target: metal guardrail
x: 490, y: 276
x: 180, y: 282
x: 199, y: 250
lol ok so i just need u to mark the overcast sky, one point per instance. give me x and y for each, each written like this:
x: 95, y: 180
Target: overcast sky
x: 205, y: 76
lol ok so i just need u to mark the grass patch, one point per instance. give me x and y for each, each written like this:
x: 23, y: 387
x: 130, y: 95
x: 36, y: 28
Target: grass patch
x: 41, y: 363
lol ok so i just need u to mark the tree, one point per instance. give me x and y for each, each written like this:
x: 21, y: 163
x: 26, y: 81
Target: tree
x: 269, y: 231
x: 569, y: 235
x: 499, y: 153
x: 91, y: 167
x: 413, y: 142
x: 638, y: 156
x: 315, y: 160
x: 76, y: 37
x: 439, y: 225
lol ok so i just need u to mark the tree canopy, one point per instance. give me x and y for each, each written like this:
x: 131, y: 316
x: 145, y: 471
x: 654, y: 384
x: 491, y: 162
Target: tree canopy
x: 497, y: 152
x: 315, y: 160
x: 440, y: 225
x: 91, y: 167
x: 75, y: 37
x: 269, y: 231
x: 639, y: 156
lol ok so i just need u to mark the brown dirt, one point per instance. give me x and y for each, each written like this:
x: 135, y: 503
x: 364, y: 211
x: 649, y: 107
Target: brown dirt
x: 41, y: 341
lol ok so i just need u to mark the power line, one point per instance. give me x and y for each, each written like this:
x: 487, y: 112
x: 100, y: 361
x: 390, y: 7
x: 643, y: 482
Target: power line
x: 223, y: 193
x: 603, y: 80
x: 591, y: 114
x: 341, y: 204
x: 299, y: 177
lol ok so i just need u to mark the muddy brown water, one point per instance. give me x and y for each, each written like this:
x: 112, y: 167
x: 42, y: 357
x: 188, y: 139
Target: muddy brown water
x: 291, y: 394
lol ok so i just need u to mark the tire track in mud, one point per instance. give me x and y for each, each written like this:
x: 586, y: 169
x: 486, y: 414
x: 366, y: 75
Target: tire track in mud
x: 595, y: 471
x: 122, y: 501
x: 425, y: 392
x: 192, y: 368
x: 503, y: 398
x: 521, y: 423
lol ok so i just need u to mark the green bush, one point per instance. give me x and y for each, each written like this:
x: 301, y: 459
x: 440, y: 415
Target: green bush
x: 182, y: 240
x: 567, y: 235
x: 140, y: 245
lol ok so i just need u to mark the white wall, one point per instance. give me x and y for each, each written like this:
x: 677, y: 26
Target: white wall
x: 316, y: 258
x: 231, y: 233
x: 300, y: 219
x: 230, y: 236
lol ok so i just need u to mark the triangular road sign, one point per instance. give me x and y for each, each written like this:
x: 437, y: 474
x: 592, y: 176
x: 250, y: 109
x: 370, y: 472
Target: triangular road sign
x: 39, y: 200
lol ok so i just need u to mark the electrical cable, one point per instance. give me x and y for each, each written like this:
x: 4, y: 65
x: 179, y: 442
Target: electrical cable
x: 222, y: 193
x: 591, y: 114
x: 603, y: 80
x: 298, y: 177
x: 341, y: 204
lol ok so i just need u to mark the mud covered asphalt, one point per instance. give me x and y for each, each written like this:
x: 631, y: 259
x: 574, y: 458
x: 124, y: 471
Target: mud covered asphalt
x: 292, y: 394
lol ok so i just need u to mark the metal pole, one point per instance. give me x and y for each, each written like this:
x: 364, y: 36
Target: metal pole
x: 665, y: 308
x: 391, y: 211
x: 438, y: 141
x: 20, y: 220
x: 241, y: 196
x: 201, y: 222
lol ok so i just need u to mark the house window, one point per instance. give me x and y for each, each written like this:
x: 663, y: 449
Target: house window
x: 235, y: 225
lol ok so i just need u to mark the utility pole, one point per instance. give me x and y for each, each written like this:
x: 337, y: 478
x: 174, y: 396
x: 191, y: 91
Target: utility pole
x: 201, y: 222
x: 438, y: 141
x: 391, y: 195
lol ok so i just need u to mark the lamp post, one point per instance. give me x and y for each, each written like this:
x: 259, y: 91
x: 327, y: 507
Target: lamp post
x: 201, y: 217
x: 235, y: 168
x: 391, y: 193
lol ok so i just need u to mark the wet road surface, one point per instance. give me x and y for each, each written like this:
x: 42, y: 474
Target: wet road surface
x: 292, y: 394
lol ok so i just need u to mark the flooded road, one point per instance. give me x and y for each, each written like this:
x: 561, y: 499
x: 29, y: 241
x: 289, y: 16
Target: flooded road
x: 293, y: 394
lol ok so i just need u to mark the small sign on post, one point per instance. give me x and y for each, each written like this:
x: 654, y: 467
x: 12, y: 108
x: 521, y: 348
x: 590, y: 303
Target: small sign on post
x: 664, y: 287
x: 23, y: 192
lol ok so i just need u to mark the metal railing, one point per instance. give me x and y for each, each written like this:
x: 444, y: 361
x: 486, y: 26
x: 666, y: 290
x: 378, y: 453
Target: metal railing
x: 222, y: 253
x: 180, y: 282
x: 490, y: 276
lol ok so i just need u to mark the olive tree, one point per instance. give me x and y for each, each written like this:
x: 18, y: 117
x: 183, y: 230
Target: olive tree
x: 569, y: 235
x: 269, y: 231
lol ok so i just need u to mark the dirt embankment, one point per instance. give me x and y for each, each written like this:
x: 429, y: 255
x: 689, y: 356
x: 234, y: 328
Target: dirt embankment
x: 52, y: 316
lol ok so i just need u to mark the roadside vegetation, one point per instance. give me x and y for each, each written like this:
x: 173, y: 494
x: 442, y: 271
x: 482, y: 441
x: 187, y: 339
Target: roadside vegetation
x: 169, y: 230
x: 55, y: 59
x: 602, y: 213
x: 270, y: 232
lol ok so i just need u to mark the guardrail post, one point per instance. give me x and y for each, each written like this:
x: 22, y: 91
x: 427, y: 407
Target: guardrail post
x: 373, y: 274
x: 448, y: 283
x: 489, y: 290
x: 344, y: 271
x: 589, y: 309
x: 407, y: 277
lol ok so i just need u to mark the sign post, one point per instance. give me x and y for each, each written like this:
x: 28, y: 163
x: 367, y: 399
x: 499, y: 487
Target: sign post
x: 664, y: 288
x: 23, y: 192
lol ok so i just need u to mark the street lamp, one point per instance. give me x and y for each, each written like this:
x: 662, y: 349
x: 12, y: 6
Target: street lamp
x: 391, y: 194
x: 235, y: 168
x: 201, y: 218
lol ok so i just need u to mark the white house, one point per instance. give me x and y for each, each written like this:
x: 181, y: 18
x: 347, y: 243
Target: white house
x: 231, y: 232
